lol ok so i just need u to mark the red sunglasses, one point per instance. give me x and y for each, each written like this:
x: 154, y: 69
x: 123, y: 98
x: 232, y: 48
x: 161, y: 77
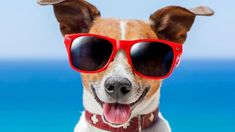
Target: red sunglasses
x: 149, y: 58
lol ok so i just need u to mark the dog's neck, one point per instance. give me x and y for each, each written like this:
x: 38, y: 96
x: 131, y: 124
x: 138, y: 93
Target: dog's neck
x: 146, y: 107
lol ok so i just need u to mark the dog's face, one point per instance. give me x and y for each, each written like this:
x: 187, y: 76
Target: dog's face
x: 118, y: 84
x: 119, y: 92
x: 120, y: 70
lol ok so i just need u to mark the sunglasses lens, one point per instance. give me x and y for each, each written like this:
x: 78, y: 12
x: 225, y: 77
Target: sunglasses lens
x: 152, y: 58
x: 90, y: 53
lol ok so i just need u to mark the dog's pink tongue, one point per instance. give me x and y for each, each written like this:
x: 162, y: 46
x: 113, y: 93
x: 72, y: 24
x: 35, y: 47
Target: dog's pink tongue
x: 117, y: 113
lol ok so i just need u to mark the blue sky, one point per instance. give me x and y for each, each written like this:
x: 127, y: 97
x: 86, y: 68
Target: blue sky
x: 30, y: 31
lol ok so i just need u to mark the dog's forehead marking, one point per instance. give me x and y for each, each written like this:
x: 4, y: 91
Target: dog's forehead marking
x: 120, y: 64
x: 123, y: 29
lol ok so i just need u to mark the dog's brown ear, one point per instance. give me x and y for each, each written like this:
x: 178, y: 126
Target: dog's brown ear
x: 173, y: 22
x: 74, y: 16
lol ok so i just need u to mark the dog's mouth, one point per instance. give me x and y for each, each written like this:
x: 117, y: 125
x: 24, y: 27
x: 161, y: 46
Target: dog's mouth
x: 116, y: 113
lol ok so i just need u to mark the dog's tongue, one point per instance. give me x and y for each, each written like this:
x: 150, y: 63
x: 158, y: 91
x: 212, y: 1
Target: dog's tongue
x: 117, y: 113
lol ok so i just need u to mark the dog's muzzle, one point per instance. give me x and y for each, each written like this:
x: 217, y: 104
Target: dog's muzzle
x: 118, y: 88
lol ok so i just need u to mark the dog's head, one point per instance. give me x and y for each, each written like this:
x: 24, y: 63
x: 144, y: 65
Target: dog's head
x: 120, y: 93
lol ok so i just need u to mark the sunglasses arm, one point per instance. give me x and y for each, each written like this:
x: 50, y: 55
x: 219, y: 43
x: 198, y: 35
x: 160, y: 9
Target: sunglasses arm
x: 178, y: 60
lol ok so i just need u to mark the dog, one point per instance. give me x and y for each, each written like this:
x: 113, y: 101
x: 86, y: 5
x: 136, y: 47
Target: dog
x: 135, y: 106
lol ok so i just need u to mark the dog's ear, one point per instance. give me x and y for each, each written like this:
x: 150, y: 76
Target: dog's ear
x: 74, y: 16
x: 173, y: 22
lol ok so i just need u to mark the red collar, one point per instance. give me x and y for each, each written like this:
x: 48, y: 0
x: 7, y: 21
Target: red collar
x: 136, y: 124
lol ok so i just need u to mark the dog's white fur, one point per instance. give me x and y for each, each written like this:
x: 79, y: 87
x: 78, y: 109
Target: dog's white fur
x: 119, y: 66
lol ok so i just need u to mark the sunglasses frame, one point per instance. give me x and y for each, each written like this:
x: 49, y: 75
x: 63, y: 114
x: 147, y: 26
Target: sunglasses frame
x: 126, y: 46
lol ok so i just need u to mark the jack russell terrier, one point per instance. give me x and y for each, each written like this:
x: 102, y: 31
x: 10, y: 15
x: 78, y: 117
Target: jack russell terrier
x: 123, y: 63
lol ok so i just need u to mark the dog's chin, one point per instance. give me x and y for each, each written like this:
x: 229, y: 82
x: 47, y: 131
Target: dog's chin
x: 116, y: 113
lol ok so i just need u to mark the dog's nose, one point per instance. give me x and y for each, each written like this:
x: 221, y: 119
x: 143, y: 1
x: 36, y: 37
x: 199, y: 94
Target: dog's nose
x: 117, y: 86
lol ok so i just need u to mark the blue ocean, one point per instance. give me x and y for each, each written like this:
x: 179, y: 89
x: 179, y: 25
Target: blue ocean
x: 46, y: 96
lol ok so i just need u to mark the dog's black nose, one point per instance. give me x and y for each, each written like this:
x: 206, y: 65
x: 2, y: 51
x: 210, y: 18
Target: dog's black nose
x: 117, y: 86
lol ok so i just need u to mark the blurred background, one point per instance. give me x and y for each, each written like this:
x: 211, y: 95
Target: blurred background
x: 39, y: 92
